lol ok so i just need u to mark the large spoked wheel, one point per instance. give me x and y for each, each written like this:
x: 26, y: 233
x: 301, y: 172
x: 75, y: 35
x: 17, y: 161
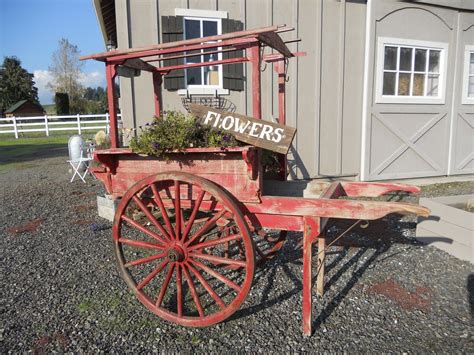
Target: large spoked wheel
x: 172, y: 233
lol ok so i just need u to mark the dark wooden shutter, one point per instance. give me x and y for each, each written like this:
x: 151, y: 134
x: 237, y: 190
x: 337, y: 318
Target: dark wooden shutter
x: 233, y: 73
x: 172, y: 29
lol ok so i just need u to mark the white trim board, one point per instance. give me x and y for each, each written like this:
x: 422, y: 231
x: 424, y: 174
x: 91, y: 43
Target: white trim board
x: 201, y: 13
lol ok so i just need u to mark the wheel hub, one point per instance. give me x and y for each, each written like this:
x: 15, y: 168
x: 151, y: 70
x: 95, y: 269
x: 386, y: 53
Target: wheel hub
x: 176, y: 254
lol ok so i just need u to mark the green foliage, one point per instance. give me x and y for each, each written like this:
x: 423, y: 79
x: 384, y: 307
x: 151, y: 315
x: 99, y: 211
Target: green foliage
x: 15, y: 84
x: 61, y: 100
x: 95, y: 100
x: 176, y: 131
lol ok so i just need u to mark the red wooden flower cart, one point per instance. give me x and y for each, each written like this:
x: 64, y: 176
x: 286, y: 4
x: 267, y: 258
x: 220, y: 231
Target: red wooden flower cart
x: 191, y: 227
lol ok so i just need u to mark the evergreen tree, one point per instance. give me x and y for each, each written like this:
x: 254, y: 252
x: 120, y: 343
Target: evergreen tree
x: 15, y: 84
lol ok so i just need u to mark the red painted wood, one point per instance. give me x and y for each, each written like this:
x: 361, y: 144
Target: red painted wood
x: 295, y: 206
x: 375, y: 189
x: 255, y: 58
x: 180, y: 46
x: 311, y: 232
x: 239, y: 43
x: 184, y: 256
x: 112, y: 102
x: 157, y: 80
x: 202, y: 64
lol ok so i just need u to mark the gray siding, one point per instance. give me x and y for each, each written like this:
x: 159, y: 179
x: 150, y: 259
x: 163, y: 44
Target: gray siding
x: 413, y: 140
x: 332, y: 32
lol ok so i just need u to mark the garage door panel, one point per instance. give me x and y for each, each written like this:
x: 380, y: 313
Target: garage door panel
x: 400, y: 149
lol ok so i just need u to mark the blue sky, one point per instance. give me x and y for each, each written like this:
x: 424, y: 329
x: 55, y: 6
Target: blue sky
x: 31, y: 29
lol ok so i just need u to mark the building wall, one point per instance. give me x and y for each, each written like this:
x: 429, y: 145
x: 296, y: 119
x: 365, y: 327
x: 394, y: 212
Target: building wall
x: 417, y: 140
x: 28, y: 109
x: 324, y: 91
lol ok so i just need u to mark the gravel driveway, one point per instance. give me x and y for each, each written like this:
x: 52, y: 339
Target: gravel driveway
x: 61, y: 290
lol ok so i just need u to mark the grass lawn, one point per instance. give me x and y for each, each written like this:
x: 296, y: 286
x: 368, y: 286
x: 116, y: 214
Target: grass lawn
x: 22, y: 153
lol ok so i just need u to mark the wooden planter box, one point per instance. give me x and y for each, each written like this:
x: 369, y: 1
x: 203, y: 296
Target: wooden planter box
x: 235, y: 168
x: 449, y: 227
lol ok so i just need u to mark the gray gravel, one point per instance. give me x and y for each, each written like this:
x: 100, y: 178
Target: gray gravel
x: 61, y: 290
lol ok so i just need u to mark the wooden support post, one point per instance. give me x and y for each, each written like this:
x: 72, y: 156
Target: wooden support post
x: 311, y: 232
x: 321, y: 261
x: 157, y: 80
x: 254, y: 56
x: 280, y: 69
x: 111, y: 73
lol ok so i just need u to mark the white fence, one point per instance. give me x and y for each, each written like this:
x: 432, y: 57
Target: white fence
x: 49, y: 124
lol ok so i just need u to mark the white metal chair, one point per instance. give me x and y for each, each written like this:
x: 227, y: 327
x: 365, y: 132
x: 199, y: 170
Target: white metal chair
x: 80, y: 157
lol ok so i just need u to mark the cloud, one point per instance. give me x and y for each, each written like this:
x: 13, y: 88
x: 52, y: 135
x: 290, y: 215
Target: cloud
x: 43, y: 77
x: 92, y: 79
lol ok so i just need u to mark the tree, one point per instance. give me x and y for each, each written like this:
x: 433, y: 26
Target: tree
x: 15, y: 84
x: 66, y: 70
x: 61, y: 100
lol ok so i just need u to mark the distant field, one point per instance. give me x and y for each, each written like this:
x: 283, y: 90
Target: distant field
x: 50, y: 109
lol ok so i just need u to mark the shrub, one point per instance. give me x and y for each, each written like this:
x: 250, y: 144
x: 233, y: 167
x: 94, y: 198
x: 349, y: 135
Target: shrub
x: 61, y: 100
x: 177, y: 131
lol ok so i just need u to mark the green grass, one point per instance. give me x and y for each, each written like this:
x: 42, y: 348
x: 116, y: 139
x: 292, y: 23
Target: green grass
x: 50, y: 109
x: 24, y: 153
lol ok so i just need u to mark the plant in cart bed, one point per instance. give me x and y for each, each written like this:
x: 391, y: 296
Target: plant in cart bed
x: 175, y: 131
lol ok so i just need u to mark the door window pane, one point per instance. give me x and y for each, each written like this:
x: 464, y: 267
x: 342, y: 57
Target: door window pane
x: 432, y: 85
x: 420, y: 60
x: 470, y: 88
x: 209, y: 28
x: 194, y: 76
x: 192, y: 29
x: 404, y: 84
x: 211, y: 74
x: 405, y: 58
x: 390, y: 60
x: 418, y: 84
x: 471, y: 63
x: 389, y: 83
x: 434, y: 61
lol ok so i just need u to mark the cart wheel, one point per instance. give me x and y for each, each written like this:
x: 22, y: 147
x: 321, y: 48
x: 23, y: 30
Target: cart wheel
x: 173, y: 256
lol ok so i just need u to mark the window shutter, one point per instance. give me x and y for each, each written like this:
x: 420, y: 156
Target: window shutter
x: 172, y: 30
x: 233, y: 73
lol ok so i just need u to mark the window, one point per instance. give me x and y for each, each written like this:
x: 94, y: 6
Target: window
x: 468, y: 82
x: 210, y: 77
x: 410, y: 71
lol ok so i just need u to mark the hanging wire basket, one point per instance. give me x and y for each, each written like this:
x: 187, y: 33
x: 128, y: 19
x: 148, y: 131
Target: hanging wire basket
x: 216, y: 101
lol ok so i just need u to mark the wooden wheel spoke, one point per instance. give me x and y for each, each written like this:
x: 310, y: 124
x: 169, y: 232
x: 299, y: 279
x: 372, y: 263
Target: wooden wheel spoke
x: 177, y: 209
x: 214, y: 242
x: 217, y: 275
x: 145, y: 260
x: 161, y: 206
x: 142, y: 229
x: 218, y: 259
x: 140, y: 244
x: 194, y: 293
x: 207, y: 287
x: 193, y: 215
x: 151, y: 218
x: 152, y: 274
x: 209, y: 224
x: 165, y: 285
x: 179, y: 290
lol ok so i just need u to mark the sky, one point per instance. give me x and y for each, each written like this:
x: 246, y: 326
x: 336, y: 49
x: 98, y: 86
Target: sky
x: 31, y: 29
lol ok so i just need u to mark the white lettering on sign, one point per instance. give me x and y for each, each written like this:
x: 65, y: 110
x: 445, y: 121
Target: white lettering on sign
x: 255, y: 129
x: 260, y: 133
